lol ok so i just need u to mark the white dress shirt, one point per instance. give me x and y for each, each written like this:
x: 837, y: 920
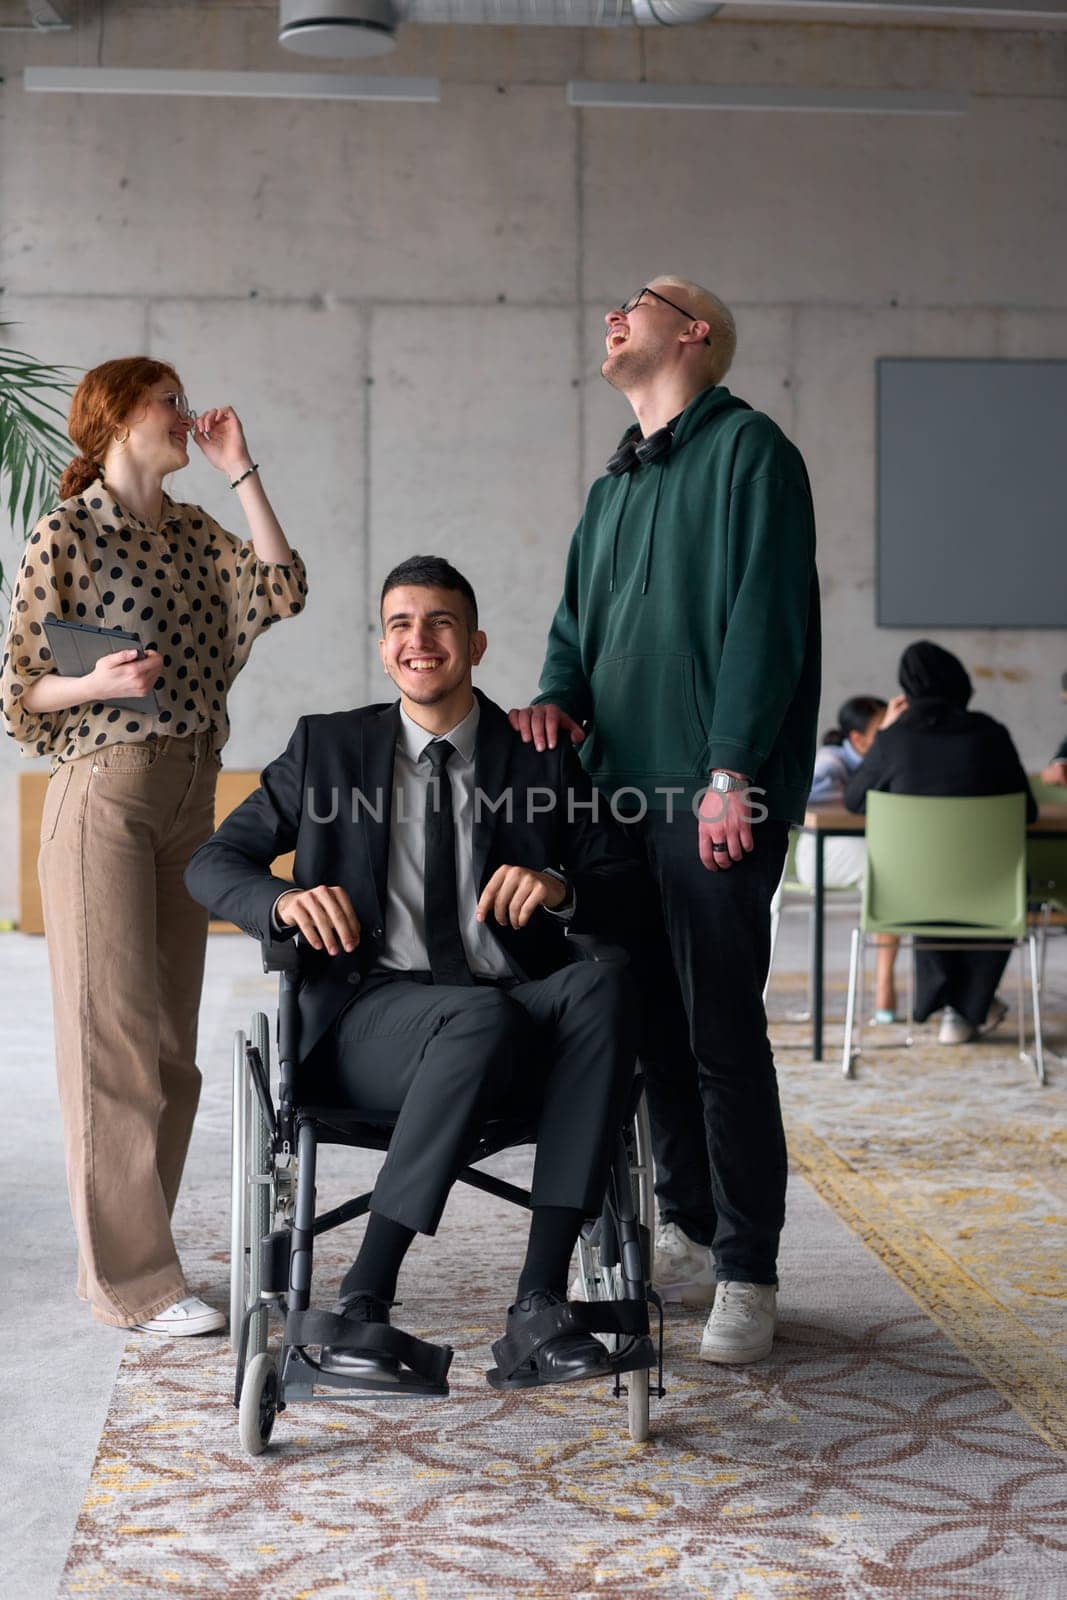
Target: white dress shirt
x: 404, y: 946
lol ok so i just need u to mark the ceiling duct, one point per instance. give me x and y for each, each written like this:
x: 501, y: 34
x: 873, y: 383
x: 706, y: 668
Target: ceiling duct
x: 339, y: 28
x: 671, y: 13
x: 368, y: 27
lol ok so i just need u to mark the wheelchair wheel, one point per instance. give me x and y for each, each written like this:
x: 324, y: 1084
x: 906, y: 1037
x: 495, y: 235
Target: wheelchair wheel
x: 259, y: 1404
x: 250, y: 1189
x: 599, y: 1270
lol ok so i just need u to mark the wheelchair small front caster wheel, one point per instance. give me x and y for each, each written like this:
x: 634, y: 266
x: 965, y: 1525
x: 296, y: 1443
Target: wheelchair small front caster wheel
x: 259, y: 1404
x: 637, y: 1405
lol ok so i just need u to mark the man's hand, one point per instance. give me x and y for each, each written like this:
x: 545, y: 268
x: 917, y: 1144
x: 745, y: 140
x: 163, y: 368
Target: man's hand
x: 725, y: 821
x: 896, y: 707
x: 513, y: 894
x: 1056, y: 772
x: 324, y: 915
x: 542, y: 725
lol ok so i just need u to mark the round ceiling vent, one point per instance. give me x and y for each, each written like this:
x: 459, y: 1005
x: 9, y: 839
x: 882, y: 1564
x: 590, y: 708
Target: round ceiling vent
x: 338, y: 28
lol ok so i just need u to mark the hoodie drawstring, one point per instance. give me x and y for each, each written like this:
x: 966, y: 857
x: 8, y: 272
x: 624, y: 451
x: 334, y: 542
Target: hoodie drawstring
x: 651, y: 531
x: 623, y: 497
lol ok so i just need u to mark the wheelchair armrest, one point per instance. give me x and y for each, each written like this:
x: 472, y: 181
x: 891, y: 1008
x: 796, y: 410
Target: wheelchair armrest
x: 280, y: 955
x: 588, y: 947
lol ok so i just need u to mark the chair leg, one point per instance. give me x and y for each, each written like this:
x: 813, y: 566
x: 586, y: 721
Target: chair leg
x: 850, y: 1008
x: 909, y: 1037
x: 1042, y: 942
x: 1035, y: 990
x: 1020, y: 1004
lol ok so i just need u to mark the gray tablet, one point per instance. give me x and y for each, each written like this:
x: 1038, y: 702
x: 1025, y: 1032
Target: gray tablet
x: 77, y: 648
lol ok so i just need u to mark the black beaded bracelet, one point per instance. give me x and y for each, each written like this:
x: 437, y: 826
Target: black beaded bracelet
x: 247, y: 474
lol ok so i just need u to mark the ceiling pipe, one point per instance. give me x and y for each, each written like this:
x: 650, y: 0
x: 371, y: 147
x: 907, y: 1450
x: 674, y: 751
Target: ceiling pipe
x: 672, y: 13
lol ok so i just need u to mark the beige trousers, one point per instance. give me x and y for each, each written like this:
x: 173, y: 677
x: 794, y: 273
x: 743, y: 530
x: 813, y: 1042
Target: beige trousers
x: 126, y: 947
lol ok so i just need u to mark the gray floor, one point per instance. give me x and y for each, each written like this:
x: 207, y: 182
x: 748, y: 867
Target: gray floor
x: 61, y: 1366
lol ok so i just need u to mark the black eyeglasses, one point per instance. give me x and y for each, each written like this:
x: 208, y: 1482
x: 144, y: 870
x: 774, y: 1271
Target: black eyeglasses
x: 635, y: 300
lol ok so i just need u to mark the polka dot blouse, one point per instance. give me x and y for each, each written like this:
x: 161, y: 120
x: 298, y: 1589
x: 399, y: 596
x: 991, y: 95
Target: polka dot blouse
x: 186, y: 587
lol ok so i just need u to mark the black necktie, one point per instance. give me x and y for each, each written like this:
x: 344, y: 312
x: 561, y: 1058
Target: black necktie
x: 444, y: 945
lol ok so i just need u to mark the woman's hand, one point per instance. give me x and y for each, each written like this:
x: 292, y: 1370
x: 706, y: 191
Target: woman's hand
x: 120, y: 675
x: 896, y: 708
x: 221, y: 439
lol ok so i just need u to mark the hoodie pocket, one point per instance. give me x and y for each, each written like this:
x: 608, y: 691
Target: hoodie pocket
x: 645, y: 717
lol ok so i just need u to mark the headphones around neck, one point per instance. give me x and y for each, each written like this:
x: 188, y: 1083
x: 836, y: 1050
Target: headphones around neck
x: 636, y: 452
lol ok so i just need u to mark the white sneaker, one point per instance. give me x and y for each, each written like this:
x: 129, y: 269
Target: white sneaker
x: 184, y: 1317
x: 955, y: 1029
x: 682, y: 1270
x: 994, y: 1016
x: 741, y: 1325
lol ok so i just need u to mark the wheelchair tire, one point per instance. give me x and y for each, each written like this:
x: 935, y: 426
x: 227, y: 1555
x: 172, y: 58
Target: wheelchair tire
x: 259, y: 1404
x: 250, y: 1190
x: 600, y: 1280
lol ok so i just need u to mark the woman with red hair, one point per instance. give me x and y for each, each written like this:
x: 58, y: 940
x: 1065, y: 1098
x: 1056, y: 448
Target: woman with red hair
x: 135, y: 755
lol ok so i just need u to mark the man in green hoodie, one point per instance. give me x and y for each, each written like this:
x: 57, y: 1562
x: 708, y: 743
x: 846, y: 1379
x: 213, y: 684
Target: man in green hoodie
x: 684, y: 660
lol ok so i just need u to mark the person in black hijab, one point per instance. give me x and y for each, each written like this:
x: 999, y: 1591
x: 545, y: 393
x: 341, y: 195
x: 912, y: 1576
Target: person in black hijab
x: 929, y: 743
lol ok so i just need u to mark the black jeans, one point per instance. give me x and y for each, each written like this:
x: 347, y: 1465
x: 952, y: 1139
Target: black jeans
x: 712, y: 1090
x: 557, y: 1051
x: 966, y: 980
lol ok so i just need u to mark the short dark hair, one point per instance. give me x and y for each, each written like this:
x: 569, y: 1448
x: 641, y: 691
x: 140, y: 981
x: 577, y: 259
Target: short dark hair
x: 431, y: 572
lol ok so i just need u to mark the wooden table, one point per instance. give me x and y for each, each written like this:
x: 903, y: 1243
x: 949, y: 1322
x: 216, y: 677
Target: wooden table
x: 830, y: 820
x: 233, y: 787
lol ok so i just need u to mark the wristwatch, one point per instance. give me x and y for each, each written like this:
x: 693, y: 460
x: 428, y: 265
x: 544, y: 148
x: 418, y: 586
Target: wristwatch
x: 726, y: 783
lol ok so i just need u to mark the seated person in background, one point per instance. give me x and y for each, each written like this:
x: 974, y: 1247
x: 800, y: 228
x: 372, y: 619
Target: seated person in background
x: 1056, y: 771
x: 840, y: 753
x: 439, y: 861
x: 929, y: 743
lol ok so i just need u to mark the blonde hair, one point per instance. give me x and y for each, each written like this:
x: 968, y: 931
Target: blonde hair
x: 722, y: 329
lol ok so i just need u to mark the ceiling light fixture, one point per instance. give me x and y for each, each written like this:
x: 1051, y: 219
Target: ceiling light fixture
x: 229, y: 85
x: 732, y: 97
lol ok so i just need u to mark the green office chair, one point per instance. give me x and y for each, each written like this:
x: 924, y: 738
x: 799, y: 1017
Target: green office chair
x: 790, y: 892
x: 1046, y: 874
x: 946, y: 869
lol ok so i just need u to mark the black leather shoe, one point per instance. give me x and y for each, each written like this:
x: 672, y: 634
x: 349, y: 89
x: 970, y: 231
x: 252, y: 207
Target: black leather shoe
x: 565, y: 1357
x: 357, y: 1308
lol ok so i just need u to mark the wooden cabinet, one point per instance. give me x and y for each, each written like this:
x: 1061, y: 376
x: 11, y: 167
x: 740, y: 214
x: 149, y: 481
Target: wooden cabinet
x: 233, y: 788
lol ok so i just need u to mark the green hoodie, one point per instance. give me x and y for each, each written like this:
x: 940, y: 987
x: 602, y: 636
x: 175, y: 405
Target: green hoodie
x: 688, y: 631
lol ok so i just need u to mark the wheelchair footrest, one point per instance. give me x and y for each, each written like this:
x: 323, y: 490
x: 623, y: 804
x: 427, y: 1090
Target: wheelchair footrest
x: 426, y: 1364
x: 628, y: 1319
x: 302, y: 1375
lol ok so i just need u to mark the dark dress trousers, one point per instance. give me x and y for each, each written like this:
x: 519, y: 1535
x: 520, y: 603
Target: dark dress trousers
x: 935, y: 748
x: 554, y: 1043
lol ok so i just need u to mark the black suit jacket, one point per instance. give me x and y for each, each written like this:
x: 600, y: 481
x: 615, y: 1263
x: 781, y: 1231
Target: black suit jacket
x: 329, y: 797
x: 934, y: 748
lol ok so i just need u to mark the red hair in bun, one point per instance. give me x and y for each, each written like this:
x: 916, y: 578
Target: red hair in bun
x: 101, y: 404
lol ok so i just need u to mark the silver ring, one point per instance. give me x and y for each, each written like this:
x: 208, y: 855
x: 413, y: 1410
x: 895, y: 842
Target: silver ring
x: 719, y: 848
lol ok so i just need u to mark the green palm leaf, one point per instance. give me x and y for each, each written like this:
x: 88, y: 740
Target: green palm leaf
x: 34, y: 447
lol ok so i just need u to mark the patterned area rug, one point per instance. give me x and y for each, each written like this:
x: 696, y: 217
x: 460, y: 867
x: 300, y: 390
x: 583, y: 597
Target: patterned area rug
x: 870, y: 1458
x: 951, y: 1164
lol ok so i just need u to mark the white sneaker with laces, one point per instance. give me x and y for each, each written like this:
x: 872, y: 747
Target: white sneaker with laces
x: 741, y: 1325
x: 184, y: 1317
x: 955, y: 1029
x: 682, y: 1270
x: 994, y: 1016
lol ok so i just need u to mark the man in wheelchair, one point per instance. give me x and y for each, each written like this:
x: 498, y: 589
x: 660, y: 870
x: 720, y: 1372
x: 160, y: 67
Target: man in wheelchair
x: 440, y: 862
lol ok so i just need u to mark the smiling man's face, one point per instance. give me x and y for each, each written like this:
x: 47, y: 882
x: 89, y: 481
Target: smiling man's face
x: 428, y: 647
x: 641, y: 341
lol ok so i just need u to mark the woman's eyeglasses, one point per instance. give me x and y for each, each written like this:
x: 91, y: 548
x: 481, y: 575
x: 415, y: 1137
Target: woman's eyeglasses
x: 179, y: 404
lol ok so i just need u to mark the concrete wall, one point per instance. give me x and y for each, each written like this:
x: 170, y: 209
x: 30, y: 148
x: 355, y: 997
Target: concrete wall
x: 405, y: 302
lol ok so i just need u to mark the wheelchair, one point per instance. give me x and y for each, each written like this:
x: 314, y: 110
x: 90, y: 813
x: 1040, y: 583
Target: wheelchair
x: 274, y: 1226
